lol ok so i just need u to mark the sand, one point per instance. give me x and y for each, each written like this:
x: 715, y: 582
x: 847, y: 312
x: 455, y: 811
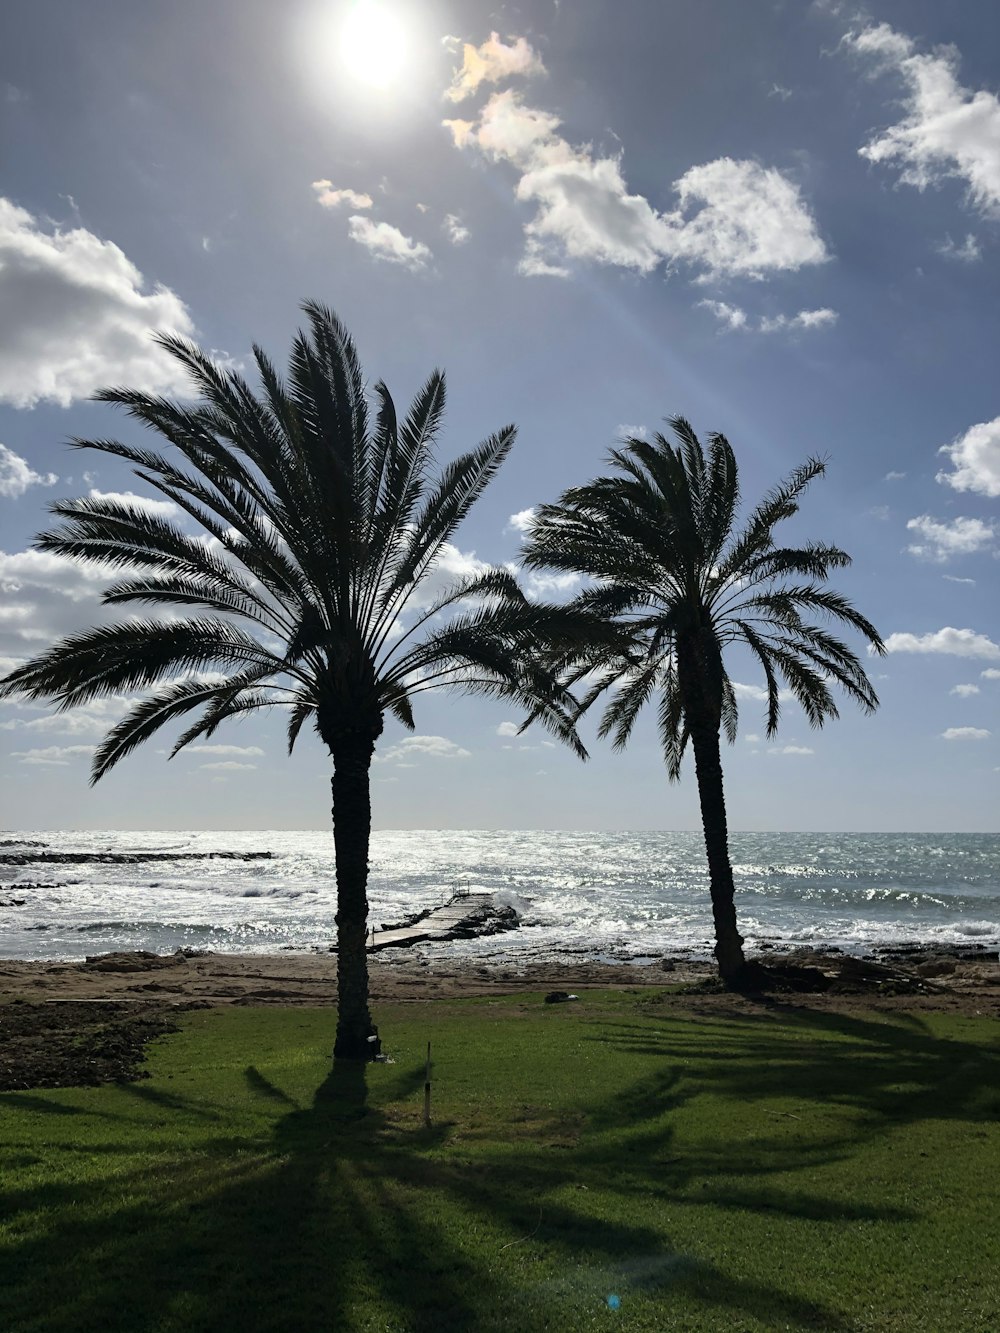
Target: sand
x: 972, y: 985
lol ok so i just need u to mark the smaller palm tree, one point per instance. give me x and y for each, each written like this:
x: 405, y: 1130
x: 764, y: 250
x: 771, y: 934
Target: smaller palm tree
x: 306, y: 589
x: 659, y: 540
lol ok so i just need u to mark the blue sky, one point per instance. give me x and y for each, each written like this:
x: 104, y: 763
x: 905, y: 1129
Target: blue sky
x: 781, y: 221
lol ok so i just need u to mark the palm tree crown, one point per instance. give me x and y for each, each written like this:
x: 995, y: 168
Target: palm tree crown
x: 320, y: 528
x: 669, y: 565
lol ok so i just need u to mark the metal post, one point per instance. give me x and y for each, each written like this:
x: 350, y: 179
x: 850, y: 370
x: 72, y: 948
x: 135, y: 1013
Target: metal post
x: 427, y: 1090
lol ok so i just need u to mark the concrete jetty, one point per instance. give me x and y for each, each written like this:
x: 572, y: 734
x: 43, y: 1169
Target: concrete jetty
x: 463, y: 916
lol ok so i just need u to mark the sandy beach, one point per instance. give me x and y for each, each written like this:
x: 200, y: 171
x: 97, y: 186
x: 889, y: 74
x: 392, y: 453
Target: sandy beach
x: 922, y: 978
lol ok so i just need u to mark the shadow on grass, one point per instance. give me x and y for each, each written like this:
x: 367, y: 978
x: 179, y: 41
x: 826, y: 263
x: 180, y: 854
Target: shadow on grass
x: 344, y: 1218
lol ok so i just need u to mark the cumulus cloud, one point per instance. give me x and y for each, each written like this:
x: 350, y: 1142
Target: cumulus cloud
x: 894, y: 476
x: 823, y: 318
x: 732, y: 217
x: 948, y: 641
x: 59, y: 755
x: 791, y: 749
x: 416, y: 747
x: 383, y: 241
x: 542, y: 587
x: 227, y: 766
x: 966, y: 253
x: 522, y: 520
x: 44, y: 596
x: 507, y: 729
x: 941, y: 540
x: 16, y: 475
x: 757, y: 692
x: 991, y: 673
x: 964, y: 691
x: 733, y: 318
x: 965, y: 734
x: 492, y: 62
x: 947, y: 130
x: 75, y: 316
x: 975, y: 457
x: 455, y: 229
x: 328, y: 197
x: 146, y: 503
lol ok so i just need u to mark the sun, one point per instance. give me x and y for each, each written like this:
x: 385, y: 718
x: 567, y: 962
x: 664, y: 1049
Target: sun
x: 373, y: 42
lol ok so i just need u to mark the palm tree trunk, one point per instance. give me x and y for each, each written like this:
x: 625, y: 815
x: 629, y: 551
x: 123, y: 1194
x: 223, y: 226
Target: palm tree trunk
x: 708, y: 766
x: 357, y: 1036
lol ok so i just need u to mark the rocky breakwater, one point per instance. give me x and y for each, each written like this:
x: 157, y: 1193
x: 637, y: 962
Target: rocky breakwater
x: 122, y: 858
x: 463, y: 917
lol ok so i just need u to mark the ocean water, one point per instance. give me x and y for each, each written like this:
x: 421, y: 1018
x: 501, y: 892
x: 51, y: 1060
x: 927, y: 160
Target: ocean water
x: 613, y: 896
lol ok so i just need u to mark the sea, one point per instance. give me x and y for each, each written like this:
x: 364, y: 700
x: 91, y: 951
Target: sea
x: 615, y: 897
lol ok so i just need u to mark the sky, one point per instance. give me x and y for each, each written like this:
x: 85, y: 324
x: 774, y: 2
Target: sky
x: 780, y: 220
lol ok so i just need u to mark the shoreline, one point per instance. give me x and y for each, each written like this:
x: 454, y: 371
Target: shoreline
x: 919, y: 975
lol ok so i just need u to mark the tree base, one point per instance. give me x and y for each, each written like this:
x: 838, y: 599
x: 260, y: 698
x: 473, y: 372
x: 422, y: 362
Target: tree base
x: 352, y: 1047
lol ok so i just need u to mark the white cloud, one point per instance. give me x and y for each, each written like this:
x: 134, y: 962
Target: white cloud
x: 752, y: 739
x: 228, y: 766
x: 947, y: 131
x: 991, y: 673
x: 732, y: 217
x: 146, y: 503
x: 729, y: 316
x: 894, y: 476
x: 492, y: 62
x: 964, y: 691
x: 965, y: 734
x: 383, y: 241
x: 953, y: 578
x: 757, y: 692
x: 522, y: 520
x: 16, y: 475
x: 74, y: 316
x: 975, y: 456
x: 451, y: 568
x: 968, y: 252
x: 538, y: 587
x: 328, y: 197
x: 733, y: 318
x: 60, y: 755
x: 43, y: 596
x: 791, y: 749
x: 823, y: 318
x: 417, y: 747
x: 949, y: 641
x: 455, y: 229
x: 79, y: 722
x: 778, y: 90
x: 507, y: 729
x: 752, y: 220
x: 246, y: 751
x: 940, y: 541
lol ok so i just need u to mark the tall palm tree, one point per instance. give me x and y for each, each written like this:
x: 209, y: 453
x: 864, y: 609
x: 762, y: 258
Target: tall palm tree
x: 659, y: 540
x: 306, y: 588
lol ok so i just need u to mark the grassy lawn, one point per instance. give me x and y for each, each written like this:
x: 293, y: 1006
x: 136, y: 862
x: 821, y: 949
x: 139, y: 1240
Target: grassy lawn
x: 784, y: 1169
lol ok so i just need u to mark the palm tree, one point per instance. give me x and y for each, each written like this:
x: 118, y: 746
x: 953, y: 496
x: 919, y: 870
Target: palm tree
x: 658, y: 538
x: 320, y: 528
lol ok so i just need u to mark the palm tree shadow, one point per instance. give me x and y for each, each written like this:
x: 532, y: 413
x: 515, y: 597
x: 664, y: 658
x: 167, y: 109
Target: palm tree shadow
x: 231, y: 1240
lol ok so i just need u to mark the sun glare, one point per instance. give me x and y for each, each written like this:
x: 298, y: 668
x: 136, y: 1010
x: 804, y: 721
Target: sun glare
x: 373, y: 43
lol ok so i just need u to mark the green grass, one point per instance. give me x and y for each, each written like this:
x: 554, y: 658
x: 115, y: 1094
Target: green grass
x: 786, y: 1169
